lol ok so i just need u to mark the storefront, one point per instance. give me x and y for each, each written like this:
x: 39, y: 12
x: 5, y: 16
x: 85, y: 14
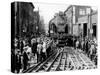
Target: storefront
x: 94, y: 24
x: 85, y: 27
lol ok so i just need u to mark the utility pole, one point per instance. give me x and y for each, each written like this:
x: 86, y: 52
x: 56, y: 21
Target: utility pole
x: 90, y: 24
x: 37, y: 26
x: 72, y: 21
x: 15, y: 17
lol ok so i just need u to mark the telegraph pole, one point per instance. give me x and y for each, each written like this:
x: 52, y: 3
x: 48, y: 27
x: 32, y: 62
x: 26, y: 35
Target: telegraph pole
x: 90, y: 24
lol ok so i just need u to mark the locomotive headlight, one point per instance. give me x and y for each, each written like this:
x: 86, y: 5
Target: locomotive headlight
x: 51, y: 31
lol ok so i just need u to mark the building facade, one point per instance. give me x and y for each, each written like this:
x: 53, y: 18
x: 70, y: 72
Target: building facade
x: 88, y: 25
x: 73, y: 14
x: 22, y: 18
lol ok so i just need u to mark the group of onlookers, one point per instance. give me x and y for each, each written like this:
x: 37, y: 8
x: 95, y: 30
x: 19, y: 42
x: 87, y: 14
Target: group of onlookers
x: 89, y: 47
x: 25, y: 50
x: 20, y: 55
x: 19, y: 61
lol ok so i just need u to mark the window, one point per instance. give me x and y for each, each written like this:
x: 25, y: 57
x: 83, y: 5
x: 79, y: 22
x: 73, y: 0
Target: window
x: 88, y: 11
x: 82, y: 12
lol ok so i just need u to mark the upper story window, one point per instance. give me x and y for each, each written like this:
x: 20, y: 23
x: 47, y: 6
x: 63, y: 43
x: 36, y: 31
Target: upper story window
x: 82, y: 12
x: 88, y: 10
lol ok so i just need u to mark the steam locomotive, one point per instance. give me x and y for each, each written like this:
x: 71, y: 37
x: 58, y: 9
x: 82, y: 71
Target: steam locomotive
x: 59, y: 30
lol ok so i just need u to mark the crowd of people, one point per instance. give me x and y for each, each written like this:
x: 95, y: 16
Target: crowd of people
x: 88, y: 46
x: 26, y: 49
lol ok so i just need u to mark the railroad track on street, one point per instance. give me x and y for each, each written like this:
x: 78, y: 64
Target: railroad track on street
x: 65, y: 59
x: 42, y: 64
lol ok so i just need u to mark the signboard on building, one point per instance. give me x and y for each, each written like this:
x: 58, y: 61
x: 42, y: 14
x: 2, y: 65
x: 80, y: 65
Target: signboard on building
x: 83, y: 19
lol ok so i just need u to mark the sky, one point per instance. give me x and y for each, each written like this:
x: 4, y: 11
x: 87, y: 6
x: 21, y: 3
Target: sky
x: 48, y: 10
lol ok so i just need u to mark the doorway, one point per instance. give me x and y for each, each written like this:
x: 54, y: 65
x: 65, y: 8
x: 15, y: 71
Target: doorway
x: 84, y: 29
x: 66, y: 29
x: 94, y: 30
